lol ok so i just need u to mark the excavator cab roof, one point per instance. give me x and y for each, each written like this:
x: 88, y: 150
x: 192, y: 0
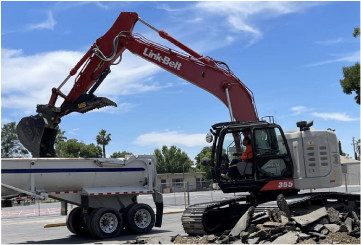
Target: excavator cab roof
x: 239, y: 125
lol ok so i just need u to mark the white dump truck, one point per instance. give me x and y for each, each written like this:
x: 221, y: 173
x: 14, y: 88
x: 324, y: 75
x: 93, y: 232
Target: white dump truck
x: 105, y: 190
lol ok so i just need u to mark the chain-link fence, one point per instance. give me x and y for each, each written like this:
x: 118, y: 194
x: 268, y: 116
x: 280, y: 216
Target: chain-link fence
x: 176, y: 195
x: 180, y: 186
x: 187, y: 193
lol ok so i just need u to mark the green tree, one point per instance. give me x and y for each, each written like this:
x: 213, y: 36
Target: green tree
x: 205, y: 152
x: 351, y: 81
x: 10, y: 144
x: 172, y: 160
x: 351, y: 74
x: 90, y: 151
x: 69, y: 148
x: 73, y: 148
x: 119, y: 154
x: 59, y: 139
x: 103, y: 139
x: 60, y: 136
x: 356, y: 32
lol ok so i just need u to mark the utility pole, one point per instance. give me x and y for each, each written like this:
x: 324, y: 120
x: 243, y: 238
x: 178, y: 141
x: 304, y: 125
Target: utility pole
x: 354, y: 147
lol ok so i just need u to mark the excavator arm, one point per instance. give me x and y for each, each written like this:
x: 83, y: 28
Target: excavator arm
x: 37, y: 133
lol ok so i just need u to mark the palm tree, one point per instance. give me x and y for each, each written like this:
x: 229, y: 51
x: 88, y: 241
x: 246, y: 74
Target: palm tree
x: 103, y: 139
x: 60, y: 136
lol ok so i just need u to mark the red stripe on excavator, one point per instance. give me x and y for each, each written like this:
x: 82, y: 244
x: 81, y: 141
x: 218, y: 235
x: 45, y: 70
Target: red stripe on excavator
x: 279, y: 185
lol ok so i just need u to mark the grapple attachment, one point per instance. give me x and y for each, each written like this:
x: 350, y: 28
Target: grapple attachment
x: 90, y: 102
x: 36, y: 137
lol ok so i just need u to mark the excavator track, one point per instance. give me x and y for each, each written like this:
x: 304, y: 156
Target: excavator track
x: 218, y: 216
x: 212, y: 217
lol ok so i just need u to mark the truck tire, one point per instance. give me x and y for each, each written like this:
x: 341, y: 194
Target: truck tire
x: 6, y: 203
x: 139, y: 218
x: 105, y: 223
x: 74, y: 224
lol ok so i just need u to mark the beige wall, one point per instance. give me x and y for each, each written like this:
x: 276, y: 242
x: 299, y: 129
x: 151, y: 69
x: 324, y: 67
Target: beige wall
x: 168, y: 180
x: 351, y: 173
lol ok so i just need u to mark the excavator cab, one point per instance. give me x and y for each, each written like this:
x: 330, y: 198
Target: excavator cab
x: 270, y: 158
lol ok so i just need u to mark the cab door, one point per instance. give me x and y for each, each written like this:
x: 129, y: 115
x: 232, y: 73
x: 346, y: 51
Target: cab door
x: 271, y: 154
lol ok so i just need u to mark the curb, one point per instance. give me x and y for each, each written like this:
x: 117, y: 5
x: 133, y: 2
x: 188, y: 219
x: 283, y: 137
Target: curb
x: 54, y: 225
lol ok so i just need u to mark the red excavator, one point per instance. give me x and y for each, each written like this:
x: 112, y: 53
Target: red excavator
x: 282, y: 162
x: 37, y: 133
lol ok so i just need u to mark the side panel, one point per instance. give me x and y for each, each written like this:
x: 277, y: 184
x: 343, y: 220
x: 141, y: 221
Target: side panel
x: 317, y: 153
x: 316, y: 157
x: 60, y: 175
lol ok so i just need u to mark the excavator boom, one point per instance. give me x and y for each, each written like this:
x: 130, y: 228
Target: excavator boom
x: 37, y: 133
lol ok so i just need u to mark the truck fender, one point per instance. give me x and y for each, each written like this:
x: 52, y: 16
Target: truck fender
x: 158, y: 200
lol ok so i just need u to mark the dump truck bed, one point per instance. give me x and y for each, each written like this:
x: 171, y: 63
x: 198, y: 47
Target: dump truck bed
x: 90, y: 176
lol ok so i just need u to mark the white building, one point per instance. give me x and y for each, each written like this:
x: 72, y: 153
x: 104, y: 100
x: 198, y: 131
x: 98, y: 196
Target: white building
x: 175, y: 182
x: 350, y: 170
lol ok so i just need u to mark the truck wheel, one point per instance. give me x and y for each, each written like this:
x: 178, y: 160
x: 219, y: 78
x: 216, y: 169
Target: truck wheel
x: 74, y: 224
x: 105, y: 223
x: 6, y: 203
x: 139, y: 218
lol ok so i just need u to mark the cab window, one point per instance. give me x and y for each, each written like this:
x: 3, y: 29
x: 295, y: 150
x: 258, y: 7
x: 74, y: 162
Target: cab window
x: 269, y: 141
x: 270, y: 151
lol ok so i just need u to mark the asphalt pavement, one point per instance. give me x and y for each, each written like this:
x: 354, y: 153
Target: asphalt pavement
x: 30, y: 230
x: 25, y: 224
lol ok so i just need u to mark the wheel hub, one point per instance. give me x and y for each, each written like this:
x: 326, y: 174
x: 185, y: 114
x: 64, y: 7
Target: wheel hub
x: 142, y: 218
x: 108, y: 223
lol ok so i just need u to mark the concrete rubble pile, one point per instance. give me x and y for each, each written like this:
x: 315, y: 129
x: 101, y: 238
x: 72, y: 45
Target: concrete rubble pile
x: 314, y: 225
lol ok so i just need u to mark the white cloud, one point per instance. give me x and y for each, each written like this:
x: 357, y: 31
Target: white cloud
x: 101, y: 4
x: 243, y: 16
x: 47, y: 24
x: 5, y: 121
x: 330, y: 41
x: 168, y: 8
x: 338, y: 116
x: 37, y: 74
x: 170, y: 138
x: 298, y: 110
x: 73, y: 131
x: 7, y: 53
x: 350, y: 57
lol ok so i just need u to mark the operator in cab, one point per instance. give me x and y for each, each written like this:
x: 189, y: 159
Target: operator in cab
x: 238, y: 167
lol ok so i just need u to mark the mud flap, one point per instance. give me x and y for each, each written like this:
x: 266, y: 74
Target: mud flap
x: 158, y: 200
x: 37, y: 138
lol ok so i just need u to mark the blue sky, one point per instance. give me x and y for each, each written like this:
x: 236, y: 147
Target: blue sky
x: 290, y: 54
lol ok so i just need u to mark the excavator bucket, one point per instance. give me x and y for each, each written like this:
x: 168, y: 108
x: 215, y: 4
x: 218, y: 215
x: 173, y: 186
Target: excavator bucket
x: 36, y: 137
x: 38, y: 133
